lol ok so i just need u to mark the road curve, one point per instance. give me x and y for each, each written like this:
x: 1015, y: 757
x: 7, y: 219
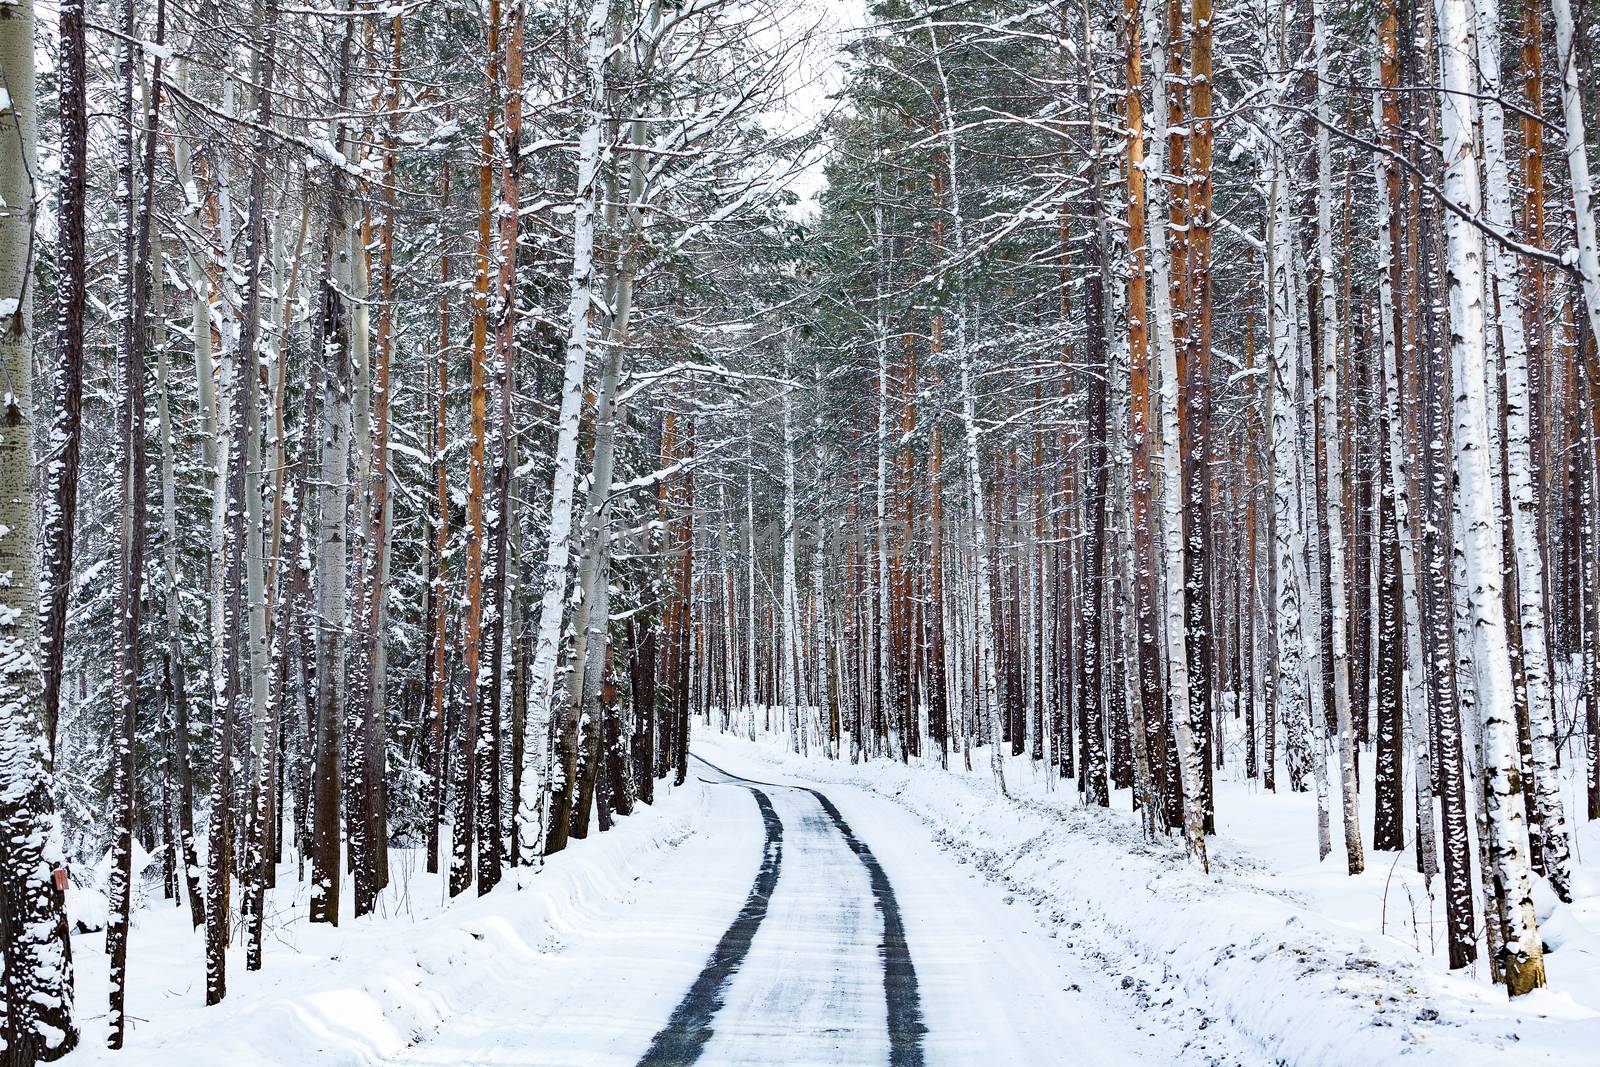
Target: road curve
x: 821, y: 931
x: 684, y: 1038
x: 798, y: 927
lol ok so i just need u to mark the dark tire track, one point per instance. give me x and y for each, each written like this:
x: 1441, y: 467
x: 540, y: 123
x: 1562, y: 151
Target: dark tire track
x: 684, y: 1038
x: 900, y: 993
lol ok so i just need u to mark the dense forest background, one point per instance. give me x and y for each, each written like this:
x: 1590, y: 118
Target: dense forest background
x: 421, y: 416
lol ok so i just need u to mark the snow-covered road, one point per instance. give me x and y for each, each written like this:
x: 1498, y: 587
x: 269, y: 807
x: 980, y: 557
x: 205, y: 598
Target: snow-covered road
x: 793, y: 911
x: 805, y: 926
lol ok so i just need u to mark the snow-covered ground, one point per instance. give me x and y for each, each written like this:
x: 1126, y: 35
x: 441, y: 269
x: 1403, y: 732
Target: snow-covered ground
x: 390, y: 988
x: 1312, y: 966
x: 1276, y: 833
x: 1036, y: 931
x: 585, y: 962
x: 995, y: 988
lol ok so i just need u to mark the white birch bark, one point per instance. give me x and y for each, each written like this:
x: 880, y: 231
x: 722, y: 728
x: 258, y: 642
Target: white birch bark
x: 1494, y: 919
x: 1169, y: 482
x: 1578, y: 162
x: 360, y: 436
x: 750, y: 599
x: 333, y: 500
x: 1311, y: 563
x: 579, y: 308
x: 255, y: 581
x: 199, y: 284
x: 789, y: 651
x: 880, y: 579
x: 37, y: 983
x: 1416, y: 693
x: 591, y: 607
x: 984, y: 620
x: 1288, y: 534
x: 1122, y: 494
x: 1549, y: 820
x: 219, y: 418
x: 172, y: 599
x: 983, y: 624
x: 1522, y: 952
x: 823, y: 639
x: 1416, y: 696
x: 1331, y: 438
x: 728, y: 611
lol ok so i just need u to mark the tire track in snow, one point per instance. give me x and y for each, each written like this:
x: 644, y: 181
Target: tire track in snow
x: 684, y: 1037
x: 902, y: 998
x: 900, y: 992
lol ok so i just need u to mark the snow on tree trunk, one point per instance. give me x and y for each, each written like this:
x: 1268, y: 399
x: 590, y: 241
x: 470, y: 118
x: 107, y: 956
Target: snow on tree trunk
x: 438, y: 577
x: 263, y: 735
x: 789, y: 650
x: 1547, y: 824
x: 984, y: 622
x: 172, y: 601
x: 220, y: 419
x: 61, y: 502
x: 1334, y: 460
x: 1313, y: 564
x: 823, y: 640
x: 135, y: 197
x: 579, y: 311
x: 750, y: 602
x: 37, y: 987
x: 1190, y: 755
x: 1522, y: 957
x: 884, y: 678
x: 1092, y: 651
x: 331, y: 358
x: 1578, y: 163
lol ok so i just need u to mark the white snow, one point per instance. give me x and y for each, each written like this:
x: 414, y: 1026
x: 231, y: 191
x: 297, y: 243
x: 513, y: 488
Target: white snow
x: 1294, y: 954
x: 1035, y: 926
x: 392, y: 987
x: 997, y: 988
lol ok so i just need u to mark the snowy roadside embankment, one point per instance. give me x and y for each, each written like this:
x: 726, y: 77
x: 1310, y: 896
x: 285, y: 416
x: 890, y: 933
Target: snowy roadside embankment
x: 1307, y: 989
x: 363, y: 993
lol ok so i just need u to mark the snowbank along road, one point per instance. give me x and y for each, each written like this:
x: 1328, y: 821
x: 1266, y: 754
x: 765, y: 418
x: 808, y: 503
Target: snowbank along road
x: 798, y: 927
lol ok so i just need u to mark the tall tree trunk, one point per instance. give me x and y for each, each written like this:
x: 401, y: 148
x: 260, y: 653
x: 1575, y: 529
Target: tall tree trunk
x: 477, y: 740
x: 489, y: 750
x: 331, y: 357
x: 984, y: 624
x: 135, y: 181
x: 182, y: 769
x: 439, y: 575
x: 1095, y: 596
x: 38, y: 1021
x: 1190, y: 756
x: 591, y: 156
x: 61, y: 501
x: 1292, y: 686
x: 1522, y: 958
x: 247, y: 400
x: 242, y: 424
x: 1333, y: 457
x: 1547, y: 824
x: 1141, y: 429
x: 376, y: 874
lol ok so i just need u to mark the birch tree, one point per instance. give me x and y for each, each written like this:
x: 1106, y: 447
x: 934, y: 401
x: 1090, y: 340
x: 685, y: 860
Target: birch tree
x: 581, y: 285
x: 1522, y: 958
x: 39, y: 1022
